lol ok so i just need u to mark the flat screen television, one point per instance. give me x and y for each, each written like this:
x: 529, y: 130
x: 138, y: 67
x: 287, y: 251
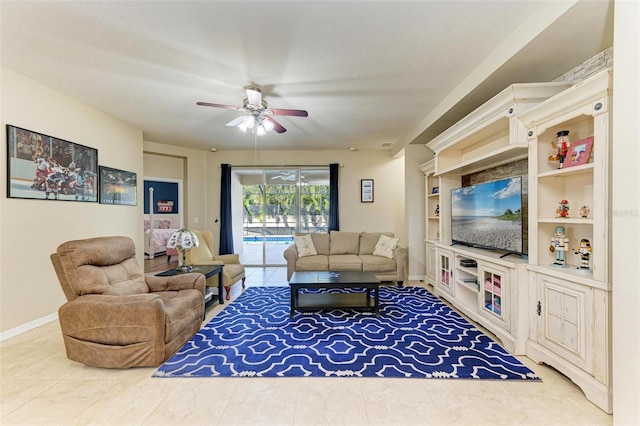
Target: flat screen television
x: 488, y: 215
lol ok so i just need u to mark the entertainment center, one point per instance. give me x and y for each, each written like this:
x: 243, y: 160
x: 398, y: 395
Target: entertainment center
x: 553, y: 301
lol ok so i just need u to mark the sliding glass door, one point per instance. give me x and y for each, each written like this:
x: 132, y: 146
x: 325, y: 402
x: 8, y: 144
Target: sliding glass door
x: 277, y: 203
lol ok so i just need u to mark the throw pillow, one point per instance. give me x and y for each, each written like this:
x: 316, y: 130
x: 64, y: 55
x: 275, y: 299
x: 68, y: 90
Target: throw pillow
x: 304, y: 245
x: 385, y: 246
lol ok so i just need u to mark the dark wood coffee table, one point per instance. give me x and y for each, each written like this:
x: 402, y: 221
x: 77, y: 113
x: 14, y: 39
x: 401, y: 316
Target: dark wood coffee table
x: 325, y: 280
x: 208, y: 271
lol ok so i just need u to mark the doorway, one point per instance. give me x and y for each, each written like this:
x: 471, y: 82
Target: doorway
x: 277, y: 203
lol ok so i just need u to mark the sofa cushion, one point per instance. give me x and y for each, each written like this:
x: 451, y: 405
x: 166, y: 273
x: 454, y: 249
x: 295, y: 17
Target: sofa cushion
x: 320, y: 241
x: 344, y: 242
x: 368, y: 241
x: 371, y: 263
x: 385, y: 246
x: 345, y: 262
x: 304, y: 245
x: 318, y: 262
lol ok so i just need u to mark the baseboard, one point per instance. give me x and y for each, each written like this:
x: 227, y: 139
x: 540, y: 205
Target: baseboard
x: 28, y: 326
x: 417, y: 278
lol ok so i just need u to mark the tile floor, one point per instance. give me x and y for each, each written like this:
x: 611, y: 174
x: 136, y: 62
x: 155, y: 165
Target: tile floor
x: 39, y: 386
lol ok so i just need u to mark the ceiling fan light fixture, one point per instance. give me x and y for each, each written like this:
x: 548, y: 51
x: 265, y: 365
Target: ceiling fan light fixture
x: 256, y: 107
x: 268, y: 125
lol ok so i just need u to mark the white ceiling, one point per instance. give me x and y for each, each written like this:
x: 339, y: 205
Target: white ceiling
x: 368, y: 72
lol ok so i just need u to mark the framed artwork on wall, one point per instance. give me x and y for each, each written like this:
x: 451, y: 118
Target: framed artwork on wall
x: 43, y: 167
x: 366, y: 190
x: 578, y: 153
x: 118, y: 187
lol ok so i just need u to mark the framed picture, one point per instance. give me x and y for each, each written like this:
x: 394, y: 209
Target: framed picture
x: 43, y: 167
x: 578, y: 153
x: 366, y: 190
x: 435, y: 190
x: 118, y: 187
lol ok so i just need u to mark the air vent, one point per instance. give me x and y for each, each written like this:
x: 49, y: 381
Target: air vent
x: 386, y: 145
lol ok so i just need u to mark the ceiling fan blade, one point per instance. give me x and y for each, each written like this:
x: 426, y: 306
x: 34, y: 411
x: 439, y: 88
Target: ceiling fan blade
x: 254, y: 96
x: 276, y: 126
x: 218, y: 106
x: 236, y: 121
x: 294, y: 112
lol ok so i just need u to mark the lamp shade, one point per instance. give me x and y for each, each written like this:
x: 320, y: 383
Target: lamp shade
x: 184, y: 240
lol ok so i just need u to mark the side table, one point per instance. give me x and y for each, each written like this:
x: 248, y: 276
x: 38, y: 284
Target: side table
x: 208, y: 271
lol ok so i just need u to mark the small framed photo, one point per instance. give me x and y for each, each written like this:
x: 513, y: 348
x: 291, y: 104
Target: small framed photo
x: 118, y: 187
x: 435, y: 190
x: 366, y: 190
x: 578, y: 153
x: 43, y: 167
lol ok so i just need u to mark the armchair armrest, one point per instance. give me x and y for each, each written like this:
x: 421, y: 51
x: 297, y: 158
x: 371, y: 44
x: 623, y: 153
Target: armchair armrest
x: 228, y: 258
x: 192, y: 280
x: 114, y: 320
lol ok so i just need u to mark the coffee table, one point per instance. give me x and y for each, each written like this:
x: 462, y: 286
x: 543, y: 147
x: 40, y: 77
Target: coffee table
x: 327, y: 280
x: 208, y: 271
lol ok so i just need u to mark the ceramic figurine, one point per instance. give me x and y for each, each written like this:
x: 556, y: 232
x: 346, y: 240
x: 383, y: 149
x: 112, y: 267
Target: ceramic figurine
x: 585, y: 253
x: 559, y: 245
x: 563, y: 209
x: 584, y: 212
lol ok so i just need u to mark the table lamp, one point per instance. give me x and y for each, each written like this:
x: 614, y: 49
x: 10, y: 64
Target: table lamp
x: 183, y: 240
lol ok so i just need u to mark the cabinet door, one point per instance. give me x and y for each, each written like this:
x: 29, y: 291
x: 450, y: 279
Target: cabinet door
x: 564, y: 319
x: 494, y: 294
x: 431, y: 264
x: 444, y: 272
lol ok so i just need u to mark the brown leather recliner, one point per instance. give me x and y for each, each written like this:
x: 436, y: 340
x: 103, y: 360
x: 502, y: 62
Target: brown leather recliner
x: 116, y: 317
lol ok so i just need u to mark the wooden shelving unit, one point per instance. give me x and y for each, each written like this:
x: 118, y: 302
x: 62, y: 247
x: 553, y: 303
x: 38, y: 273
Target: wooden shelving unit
x: 572, y: 306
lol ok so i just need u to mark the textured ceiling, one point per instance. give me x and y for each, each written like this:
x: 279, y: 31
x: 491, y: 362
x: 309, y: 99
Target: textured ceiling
x: 367, y: 72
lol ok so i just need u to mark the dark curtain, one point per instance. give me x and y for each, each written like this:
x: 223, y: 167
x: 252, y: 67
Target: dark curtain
x: 334, y: 211
x: 226, y: 222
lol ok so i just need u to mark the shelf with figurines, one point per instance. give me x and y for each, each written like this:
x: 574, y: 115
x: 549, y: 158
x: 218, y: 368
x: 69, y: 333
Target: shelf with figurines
x: 572, y: 158
x: 562, y: 215
x: 565, y: 248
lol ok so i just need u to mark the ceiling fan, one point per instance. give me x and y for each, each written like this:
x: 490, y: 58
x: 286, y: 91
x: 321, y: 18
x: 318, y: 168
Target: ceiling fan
x: 258, y: 115
x: 291, y: 176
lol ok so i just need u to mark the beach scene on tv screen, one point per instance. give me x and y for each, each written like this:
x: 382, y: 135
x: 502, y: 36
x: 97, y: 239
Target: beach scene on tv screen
x: 488, y: 215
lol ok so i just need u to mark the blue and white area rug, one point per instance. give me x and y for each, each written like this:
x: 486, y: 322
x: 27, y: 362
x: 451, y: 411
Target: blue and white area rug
x: 416, y: 335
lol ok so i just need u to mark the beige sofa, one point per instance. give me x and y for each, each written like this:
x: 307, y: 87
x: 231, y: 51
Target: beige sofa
x: 348, y: 251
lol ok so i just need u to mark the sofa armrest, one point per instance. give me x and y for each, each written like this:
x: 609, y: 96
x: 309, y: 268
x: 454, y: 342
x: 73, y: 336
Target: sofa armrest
x: 400, y: 255
x: 291, y: 252
x: 228, y: 258
x: 291, y: 255
x: 191, y: 280
x: 114, y: 320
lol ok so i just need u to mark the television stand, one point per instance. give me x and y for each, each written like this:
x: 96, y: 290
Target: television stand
x: 511, y: 252
x: 486, y: 287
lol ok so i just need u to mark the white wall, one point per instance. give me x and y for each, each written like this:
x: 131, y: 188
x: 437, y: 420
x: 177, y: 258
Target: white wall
x: 30, y: 230
x: 626, y: 214
x: 415, y: 155
x: 386, y: 213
